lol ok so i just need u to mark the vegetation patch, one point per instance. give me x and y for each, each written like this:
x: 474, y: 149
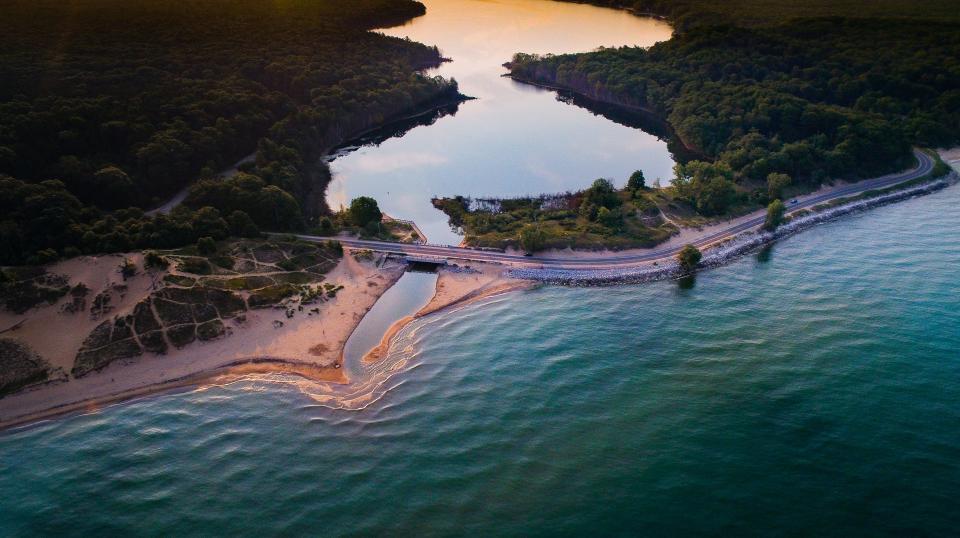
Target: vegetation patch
x: 112, y: 340
x: 239, y: 283
x: 154, y: 342
x: 598, y: 217
x: 298, y: 278
x: 26, y: 287
x: 173, y: 313
x: 272, y: 295
x: 210, y: 330
x: 362, y: 254
x: 192, y: 308
x: 20, y: 367
x: 143, y: 318
x: 180, y: 280
x: 196, y: 266
x: 182, y: 335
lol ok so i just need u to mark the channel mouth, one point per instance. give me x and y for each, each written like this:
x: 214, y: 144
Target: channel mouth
x: 411, y: 293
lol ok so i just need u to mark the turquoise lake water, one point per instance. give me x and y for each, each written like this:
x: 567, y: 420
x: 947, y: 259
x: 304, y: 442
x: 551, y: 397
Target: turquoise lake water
x: 811, y: 389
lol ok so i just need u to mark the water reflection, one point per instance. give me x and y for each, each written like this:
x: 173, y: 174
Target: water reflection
x: 687, y: 282
x: 513, y: 139
x: 765, y: 254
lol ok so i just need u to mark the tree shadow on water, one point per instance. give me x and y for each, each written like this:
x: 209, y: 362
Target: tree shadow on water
x: 687, y: 282
x: 765, y: 254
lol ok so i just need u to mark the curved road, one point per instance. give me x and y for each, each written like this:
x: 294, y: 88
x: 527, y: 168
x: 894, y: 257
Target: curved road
x: 924, y: 165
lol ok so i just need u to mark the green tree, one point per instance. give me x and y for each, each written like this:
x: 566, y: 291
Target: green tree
x: 241, y: 225
x: 364, y: 210
x: 688, y: 257
x: 589, y: 211
x: 601, y: 194
x: 532, y: 238
x: 775, y: 212
x: 611, y: 218
x: 206, y: 246
x: 207, y: 222
x: 637, y: 181
x: 776, y: 182
x: 326, y: 225
x: 113, y: 186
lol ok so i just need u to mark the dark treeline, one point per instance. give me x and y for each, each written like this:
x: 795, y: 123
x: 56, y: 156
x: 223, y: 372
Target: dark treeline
x: 811, y: 99
x: 110, y: 104
x: 687, y: 14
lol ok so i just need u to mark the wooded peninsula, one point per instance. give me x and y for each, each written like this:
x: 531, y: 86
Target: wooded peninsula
x: 768, y: 105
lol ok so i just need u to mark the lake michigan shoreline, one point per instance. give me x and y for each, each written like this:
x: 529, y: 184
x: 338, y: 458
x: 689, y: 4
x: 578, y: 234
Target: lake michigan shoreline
x: 454, y: 288
x: 294, y: 350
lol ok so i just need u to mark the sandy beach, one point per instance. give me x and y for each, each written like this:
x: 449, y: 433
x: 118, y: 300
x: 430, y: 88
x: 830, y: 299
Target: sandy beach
x: 309, y: 344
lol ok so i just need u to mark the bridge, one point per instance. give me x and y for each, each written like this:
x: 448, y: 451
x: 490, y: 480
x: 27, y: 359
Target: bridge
x: 427, y: 260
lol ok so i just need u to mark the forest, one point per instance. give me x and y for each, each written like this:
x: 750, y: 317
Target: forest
x: 109, y: 107
x: 768, y: 97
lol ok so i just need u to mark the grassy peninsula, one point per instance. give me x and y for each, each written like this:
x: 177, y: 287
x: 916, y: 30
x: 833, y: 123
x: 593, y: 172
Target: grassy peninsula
x: 601, y: 216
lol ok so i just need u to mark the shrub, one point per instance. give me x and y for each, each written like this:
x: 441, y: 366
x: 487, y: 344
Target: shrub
x: 128, y: 268
x: 155, y: 261
x: 206, y: 246
x: 689, y: 257
x: 775, y: 212
x: 531, y: 238
x: 197, y: 266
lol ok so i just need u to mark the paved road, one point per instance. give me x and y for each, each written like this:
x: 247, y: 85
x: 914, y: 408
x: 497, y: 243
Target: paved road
x: 924, y: 166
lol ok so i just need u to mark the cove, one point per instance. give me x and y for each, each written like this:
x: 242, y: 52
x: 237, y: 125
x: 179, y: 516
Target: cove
x: 512, y: 139
x: 405, y: 298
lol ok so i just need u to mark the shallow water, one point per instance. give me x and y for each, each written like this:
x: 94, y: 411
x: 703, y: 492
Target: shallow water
x: 411, y: 293
x: 513, y: 139
x: 809, y: 389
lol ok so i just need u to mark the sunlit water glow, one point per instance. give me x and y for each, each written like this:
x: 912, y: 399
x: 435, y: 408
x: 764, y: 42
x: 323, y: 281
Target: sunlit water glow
x: 513, y: 139
x: 811, y: 389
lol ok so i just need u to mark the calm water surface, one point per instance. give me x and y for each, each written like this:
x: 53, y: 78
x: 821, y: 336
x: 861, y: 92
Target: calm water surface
x: 813, y: 389
x: 513, y: 139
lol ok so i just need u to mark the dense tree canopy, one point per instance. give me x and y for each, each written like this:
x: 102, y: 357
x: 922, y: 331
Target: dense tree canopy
x: 811, y: 99
x: 125, y: 103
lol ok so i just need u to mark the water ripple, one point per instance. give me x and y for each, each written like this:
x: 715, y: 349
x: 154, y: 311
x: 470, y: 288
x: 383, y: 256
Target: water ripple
x: 815, y: 389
